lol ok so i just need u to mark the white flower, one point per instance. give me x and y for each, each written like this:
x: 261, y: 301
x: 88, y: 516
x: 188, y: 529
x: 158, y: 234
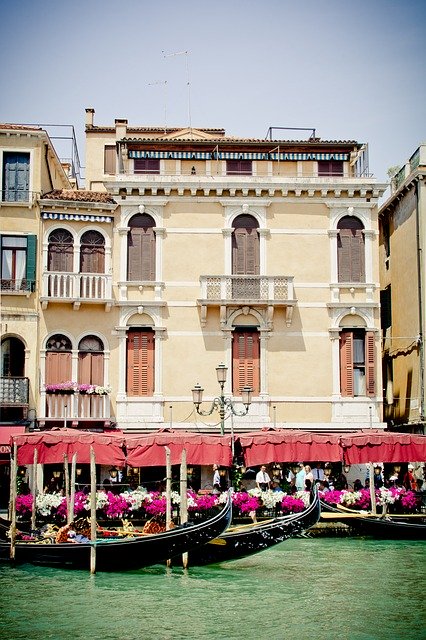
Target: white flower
x: 45, y: 502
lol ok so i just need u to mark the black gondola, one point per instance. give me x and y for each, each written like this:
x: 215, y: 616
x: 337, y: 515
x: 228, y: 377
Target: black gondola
x: 113, y: 554
x: 389, y: 526
x: 245, y: 540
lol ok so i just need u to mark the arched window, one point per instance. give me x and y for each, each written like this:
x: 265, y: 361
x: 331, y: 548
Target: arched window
x: 12, y: 358
x: 60, y: 251
x: 350, y: 250
x: 92, y: 252
x: 58, y: 359
x: 141, y: 248
x: 245, y: 246
x: 91, y: 361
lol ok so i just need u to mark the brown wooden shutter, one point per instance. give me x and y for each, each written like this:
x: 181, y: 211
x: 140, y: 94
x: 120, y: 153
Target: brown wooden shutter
x: 370, y: 358
x: 246, y: 361
x: 245, y: 252
x: 141, y: 254
x: 350, y: 250
x: 344, y: 255
x: 91, y: 368
x: 346, y: 364
x: 58, y: 367
x: 110, y: 156
x: 140, y: 363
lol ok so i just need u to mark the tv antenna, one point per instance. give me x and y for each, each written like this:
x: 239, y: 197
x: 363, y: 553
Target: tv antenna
x: 188, y: 83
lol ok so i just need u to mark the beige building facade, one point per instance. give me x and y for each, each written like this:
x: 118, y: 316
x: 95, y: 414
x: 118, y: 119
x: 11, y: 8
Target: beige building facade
x: 403, y: 276
x: 259, y: 254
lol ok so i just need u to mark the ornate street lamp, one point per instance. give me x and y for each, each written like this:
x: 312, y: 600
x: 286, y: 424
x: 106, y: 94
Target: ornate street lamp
x: 221, y: 403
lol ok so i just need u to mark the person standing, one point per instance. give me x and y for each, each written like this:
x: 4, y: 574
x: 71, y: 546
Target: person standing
x: 216, y: 479
x: 300, y: 477
x: 318, y: 473
x: 410, y: 481
x: 263, y: 480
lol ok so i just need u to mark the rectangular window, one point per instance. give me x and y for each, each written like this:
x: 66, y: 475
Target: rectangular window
x: 330, y: 168
x: 357, y: 363
x: 246, y: 361
x: 16, y: 177
x: 146, y: 165
x: 238, y: 167
x: 140, y: 362
x: 110, y: 158
x: 18, y: 263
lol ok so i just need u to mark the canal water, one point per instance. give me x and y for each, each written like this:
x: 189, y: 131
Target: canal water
x: 304, y: 589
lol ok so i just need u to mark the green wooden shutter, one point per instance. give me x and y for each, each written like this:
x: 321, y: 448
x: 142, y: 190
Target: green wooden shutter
x: 31, y: 262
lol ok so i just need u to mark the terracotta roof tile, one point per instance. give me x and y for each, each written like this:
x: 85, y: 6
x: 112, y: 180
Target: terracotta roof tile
x: 79, y: 196
x: 18, y: 127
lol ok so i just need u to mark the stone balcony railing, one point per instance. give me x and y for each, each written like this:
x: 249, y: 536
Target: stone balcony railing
x: 60, y: 286
x: 75, y: 407
x: 260, y: 292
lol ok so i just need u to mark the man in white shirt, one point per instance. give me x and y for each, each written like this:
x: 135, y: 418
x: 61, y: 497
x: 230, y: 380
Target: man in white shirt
x: 318, y: 473
x: 216, y: 479
x: 263, y: 481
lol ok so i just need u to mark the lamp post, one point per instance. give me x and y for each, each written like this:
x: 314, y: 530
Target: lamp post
x: 221, y: 404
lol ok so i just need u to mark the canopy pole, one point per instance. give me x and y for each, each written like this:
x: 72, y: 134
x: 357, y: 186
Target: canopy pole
x: 92, y: 511
x: 70, y: 511
x: 372, y: 488
x: 184, y: 500
x: 168, y: 494
x: 12, y: 502
x: 67, y: 486
x: 34, y: 489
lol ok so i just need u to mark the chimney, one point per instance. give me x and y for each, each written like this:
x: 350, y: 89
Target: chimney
x: 120, y: 128
x: 89, y: 117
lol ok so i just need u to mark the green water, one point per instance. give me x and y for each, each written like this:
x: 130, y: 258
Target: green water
x: 313, y: 589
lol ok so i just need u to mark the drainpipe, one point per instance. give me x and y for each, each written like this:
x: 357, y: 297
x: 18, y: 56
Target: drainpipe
x: 420, y: 306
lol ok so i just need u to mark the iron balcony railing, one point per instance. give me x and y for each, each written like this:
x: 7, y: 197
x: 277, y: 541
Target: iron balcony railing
x: 17, y: 286
x: 14, y: 391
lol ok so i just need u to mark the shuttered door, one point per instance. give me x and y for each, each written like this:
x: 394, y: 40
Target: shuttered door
x: 91, y: 368
x: 370, y: 363
x: 60, y: 251
x: 16, y: 177
x: 245, y: 252
x: 346, y: 364
x: 350, y: 251
x: 246, y: 361
x: 58, y: 367
x: 92, y: 253
x: 140, y: 363
x: 141, y: 254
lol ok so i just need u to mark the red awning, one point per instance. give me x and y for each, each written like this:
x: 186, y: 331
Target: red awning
x: 287, y: 445
x: 52, y: 445
x: 201, y: 449
x: 383, y: 447
x: 7, y: 432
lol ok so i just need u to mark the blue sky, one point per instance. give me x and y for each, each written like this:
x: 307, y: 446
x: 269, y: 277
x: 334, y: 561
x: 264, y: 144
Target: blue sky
x: 352, y: 70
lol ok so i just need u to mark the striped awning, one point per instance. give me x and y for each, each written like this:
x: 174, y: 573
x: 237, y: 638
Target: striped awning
x: 234, y: 155
x: 76, y: 216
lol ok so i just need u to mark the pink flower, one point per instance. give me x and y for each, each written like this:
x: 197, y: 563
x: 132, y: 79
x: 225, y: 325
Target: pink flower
x: 292, y: 505
x: 24, y: 504
x: 245, y: 502
x: 409, y: 500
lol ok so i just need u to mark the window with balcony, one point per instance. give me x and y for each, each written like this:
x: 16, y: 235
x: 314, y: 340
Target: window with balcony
x: 141, y: 248
x: 18, y: 263
x: 58, y: 360
x: 357, y: 363
x: 92, y: 252
x: 350, y: 250
x: 330, y: 168
x: 14, y: 386
x: 91, y: 361
x: 238, y: 167
x: 16, y: 177
x: 146, y: 165
x: 245, y: 360
x: 245, y: 246
x: 60, y: 251
x: 140, y: 362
